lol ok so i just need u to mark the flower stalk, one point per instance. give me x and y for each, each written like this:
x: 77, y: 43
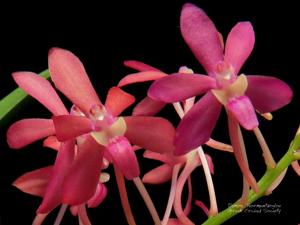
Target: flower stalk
x: 264, y: 183
x: 172, y: 194
x: 210, y: 185
x: 145, y: 195
x: 60, y: 214
x: 270, y: 162
x: 124, y: 197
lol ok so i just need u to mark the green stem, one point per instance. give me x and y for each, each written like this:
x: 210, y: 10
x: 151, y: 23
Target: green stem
x: 10, y: 102
x: 265, y: 182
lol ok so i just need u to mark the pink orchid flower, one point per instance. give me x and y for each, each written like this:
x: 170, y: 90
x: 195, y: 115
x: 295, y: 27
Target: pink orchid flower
x: 172, y: 164
x: 96, y: 128
x: 149, y: 106
x: 240, y: 95
x: 166, y: 172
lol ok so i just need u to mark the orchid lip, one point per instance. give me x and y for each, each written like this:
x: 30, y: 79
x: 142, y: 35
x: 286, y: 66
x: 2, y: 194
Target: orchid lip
x: 235, y: 89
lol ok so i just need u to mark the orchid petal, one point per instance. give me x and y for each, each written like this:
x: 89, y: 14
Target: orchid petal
x: 196, y: 126
x: 152, y: 133
x: 52, y: 142
x: 124, y: 157
x: 180, y: 86
x: 63, y: 162
x: 242, y: 109
x: 26, y: 131
x: 201, y: 35
x: 117, y: 101
x: 219, y: 145
x: 139, y: 66
x: 74, y: 210
x: 80, y: 184
x: 160, y: 174
x: 165, y: 158
x: 34, y: 182
x: 69, y: 76
x: 69, y: 126
x: 141, y: 77
x: 239, y: 149
x: 148, y: 107
x: 190, y: 166
x: 98, y: 197
x: 268, y: 93
x: 40, y: 89
x: 239, y: 45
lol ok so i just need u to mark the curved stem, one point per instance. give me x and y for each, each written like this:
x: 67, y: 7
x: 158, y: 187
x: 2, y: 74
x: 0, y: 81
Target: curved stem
x: 140, y: 186
x: 245, y: 192
x: 124, y: 197
x: 82, y: 216
x: 190, y: 166
x: 238, y: 145
x: 264, y: 184
x: 246, y: 185
x: 210, y: 185
x: 188, y: 205
x: 171, y: 195
x: 270, y: 162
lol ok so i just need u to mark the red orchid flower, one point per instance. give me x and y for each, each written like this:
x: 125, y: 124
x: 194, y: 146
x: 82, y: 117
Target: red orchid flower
x: 36, y: 183
x: 95, y: 127
x: 240, y: 95
x: 102, y: 121
x: 27, y: 131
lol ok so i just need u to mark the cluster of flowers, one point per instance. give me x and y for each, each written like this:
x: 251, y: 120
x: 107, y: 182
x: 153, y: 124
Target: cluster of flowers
x: 91, y: 135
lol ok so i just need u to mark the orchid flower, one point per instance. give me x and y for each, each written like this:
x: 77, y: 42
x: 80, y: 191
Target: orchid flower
x: 96, y: 128
x: 171, y: 168
x: 240, y: 95
x: 37, y: 181
x: 149, y: 106
x: 27, y: 131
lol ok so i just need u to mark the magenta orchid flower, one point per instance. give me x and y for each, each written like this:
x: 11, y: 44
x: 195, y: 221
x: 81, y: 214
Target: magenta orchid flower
x: 149, y: 106
x: 172, y: 164
x: 92, y: 130
x: 240, y: 95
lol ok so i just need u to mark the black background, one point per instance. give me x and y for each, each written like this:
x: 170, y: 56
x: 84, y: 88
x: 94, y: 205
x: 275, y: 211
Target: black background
x: 105, y: 34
